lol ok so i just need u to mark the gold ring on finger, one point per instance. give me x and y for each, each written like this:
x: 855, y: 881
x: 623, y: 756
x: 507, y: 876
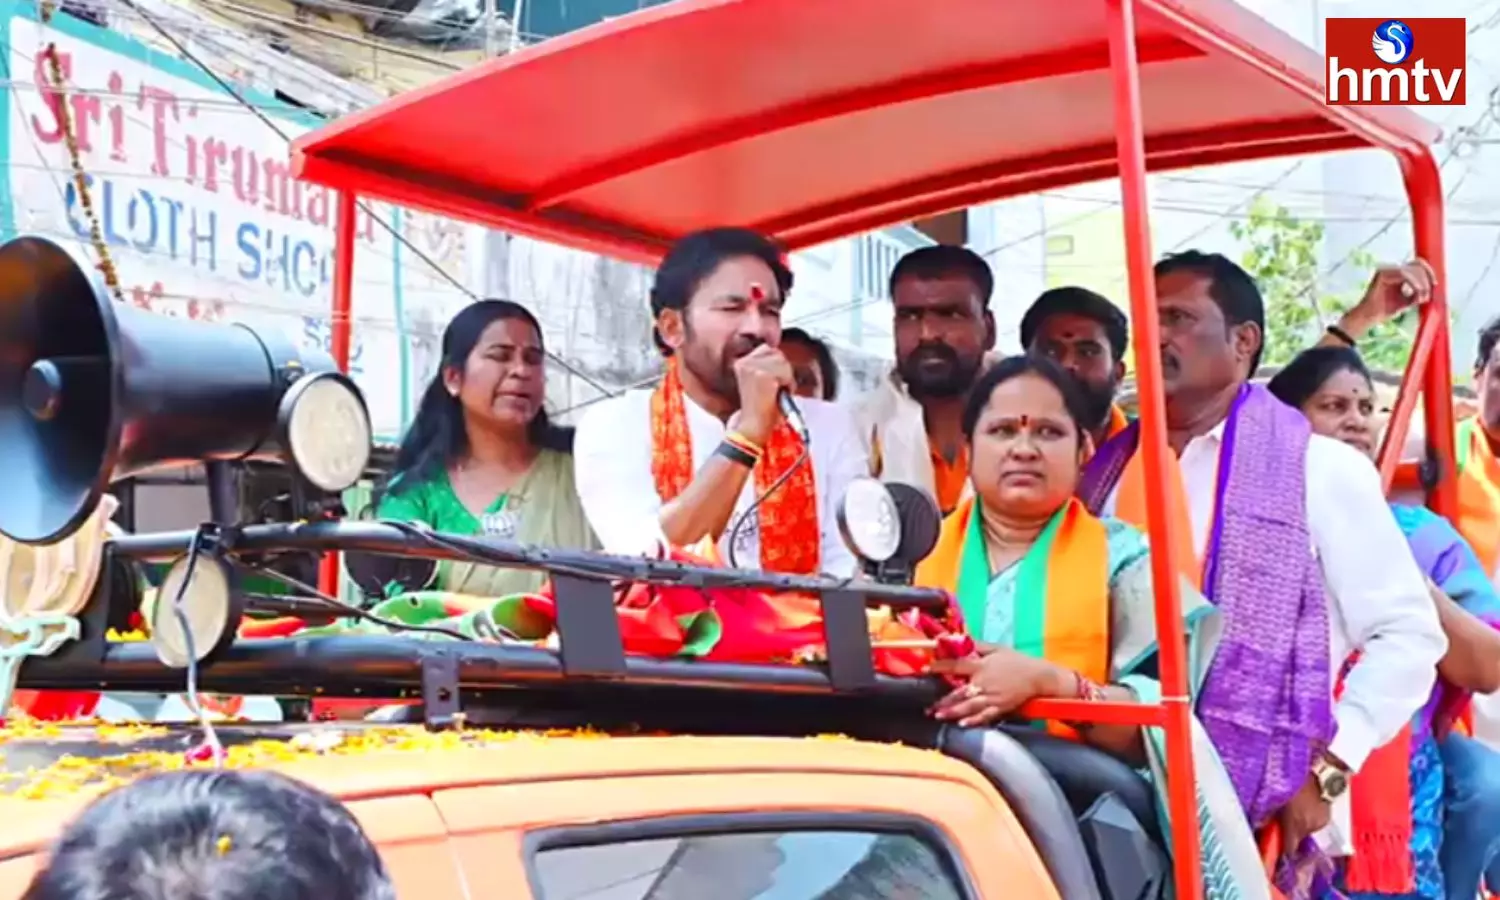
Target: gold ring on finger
x: 972, y: 690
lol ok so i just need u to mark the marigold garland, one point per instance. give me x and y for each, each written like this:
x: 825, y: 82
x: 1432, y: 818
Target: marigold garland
x: 71, y: 775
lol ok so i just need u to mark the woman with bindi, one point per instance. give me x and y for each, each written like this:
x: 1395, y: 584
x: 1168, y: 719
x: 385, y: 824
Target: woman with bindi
x: 482, y: 458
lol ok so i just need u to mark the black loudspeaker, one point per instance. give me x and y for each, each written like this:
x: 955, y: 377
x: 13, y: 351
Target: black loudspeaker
x: 92, y: 390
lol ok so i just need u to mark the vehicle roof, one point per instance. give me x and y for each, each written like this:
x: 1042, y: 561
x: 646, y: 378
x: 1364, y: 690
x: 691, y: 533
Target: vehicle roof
x: 811, y: 120
x: 385, y: 767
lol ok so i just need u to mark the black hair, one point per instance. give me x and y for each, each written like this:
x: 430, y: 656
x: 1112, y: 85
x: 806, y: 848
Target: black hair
x: 1489, y: 336
x: 1309, y: 370
x: 210, y: 834
x: 1074, y: 399
x: 696, y: 256
x: 437, y: 437
x: 1231, y: 287
x: 941, y: 261
x: 1078, y: 301
x: 822, y: 353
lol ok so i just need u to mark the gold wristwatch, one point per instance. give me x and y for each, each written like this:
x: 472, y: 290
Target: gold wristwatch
x: 1333, y: 780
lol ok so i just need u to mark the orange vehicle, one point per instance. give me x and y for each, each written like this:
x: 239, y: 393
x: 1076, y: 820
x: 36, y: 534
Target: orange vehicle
x: 809, y: 121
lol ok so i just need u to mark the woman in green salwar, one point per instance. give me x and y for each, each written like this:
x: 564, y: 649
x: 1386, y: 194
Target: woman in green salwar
x: 481, y: 457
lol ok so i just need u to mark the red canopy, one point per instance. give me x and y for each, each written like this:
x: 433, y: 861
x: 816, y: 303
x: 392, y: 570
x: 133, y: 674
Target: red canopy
x: 814, y: 119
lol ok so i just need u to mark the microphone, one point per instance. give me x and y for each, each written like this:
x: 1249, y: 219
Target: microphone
x: 793, y: 415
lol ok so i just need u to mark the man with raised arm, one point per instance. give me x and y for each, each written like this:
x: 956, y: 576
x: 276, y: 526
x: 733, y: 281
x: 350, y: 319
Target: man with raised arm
x: 911, y: 423
x: 1087, y: 335
x: 710, y: 447
x: 1289, y: 534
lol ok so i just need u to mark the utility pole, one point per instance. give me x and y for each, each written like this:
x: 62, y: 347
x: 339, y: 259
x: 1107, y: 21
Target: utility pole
x: 489, y: 28
x: 515, y: 26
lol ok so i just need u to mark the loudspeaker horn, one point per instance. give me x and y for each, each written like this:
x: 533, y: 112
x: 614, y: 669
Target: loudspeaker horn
x: 92, y: 390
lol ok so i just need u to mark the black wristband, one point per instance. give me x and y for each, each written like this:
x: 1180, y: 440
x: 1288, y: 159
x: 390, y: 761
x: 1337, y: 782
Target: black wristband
x: 736, y: 455
x: 1343, y: 335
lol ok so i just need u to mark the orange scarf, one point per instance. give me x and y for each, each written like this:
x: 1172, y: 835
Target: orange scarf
x: 1478, y: 493
x: 1380, y: 812
x: 1130, y: 506
x: 1062, y: 607
x: 1117, y: 422
x: 790, y: 538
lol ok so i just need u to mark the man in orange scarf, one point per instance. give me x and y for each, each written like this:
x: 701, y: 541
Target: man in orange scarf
x: 1478, y: 449
x: 1087, y: 335
x: 708, y: 453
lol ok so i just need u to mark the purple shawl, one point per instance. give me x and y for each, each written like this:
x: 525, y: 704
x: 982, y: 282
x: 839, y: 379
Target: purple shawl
x: 1267, y: 699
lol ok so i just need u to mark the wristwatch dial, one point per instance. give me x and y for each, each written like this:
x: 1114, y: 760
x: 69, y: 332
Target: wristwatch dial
x: 1333, y: 782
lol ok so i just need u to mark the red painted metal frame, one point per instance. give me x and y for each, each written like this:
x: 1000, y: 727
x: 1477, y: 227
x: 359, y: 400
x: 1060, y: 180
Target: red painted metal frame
x: 341, y: 324
x: 1176, y: 705
x: 1429, y: 371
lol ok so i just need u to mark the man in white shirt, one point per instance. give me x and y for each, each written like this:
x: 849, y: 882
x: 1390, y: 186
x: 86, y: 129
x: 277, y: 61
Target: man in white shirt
x: 1245, y: 461
x: 911, y: 421
x: 709, y: 453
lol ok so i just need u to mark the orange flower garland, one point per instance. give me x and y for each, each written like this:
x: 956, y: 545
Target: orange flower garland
x: 790, y: 537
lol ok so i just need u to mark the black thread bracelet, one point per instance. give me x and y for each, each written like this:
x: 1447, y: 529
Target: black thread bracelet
x: 736, y: 455
x: 1343, y: 335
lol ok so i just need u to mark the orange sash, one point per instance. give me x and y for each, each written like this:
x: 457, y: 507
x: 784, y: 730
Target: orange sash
x: 1062, y: 607
x: 1117, y: 422
x: 1130, y: 506
x: 1478, y: 493
x: 790, y: 539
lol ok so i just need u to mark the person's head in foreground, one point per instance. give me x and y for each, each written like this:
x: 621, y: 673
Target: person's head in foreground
x: 488, y: 391
x: 213, y: 835
x: 1487, y: 379
x: 1333, y: 388
x: 1213, y: 323
x: 1085, y: 334
x: 812, y: 363
x: 717, y: 298
x: 1025, y: 423
x: 943, y: 325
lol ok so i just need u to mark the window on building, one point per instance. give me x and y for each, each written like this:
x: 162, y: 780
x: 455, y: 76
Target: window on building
x: 1060, y: 245
x: 751, y: 865
x: 874, y: 259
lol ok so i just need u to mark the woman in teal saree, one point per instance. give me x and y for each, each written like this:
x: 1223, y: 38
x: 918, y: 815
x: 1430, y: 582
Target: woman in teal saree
x: 1061, y: 601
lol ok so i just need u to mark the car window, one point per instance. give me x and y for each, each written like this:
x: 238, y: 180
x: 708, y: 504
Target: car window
x: 751, y: 865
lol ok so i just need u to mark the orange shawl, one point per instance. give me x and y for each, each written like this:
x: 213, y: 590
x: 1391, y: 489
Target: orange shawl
x: 790, y: 538
x: 1478, y: 493
x: 1117, y: 422
x: 1130, y: 506
x: 1062, y: 606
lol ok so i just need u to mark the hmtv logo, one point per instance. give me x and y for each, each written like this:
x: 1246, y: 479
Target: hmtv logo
x: 1395, y: 62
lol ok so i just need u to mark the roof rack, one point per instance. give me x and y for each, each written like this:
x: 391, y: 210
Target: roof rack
x: 590, y: 644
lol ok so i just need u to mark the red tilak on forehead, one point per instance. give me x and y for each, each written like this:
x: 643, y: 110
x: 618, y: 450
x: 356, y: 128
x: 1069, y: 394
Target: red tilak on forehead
x: 757, y: 292
x: 1025, y: 421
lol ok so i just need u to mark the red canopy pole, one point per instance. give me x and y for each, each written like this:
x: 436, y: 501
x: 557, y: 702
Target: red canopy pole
x: 1424, y: 189
x: 1182, y: 807
x: 340, y: 323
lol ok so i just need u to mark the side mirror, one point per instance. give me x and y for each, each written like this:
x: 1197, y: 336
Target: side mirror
x: 889, y: 528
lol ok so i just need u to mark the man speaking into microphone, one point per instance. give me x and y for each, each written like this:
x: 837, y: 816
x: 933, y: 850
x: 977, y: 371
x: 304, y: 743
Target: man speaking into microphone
x: 690, y: 458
